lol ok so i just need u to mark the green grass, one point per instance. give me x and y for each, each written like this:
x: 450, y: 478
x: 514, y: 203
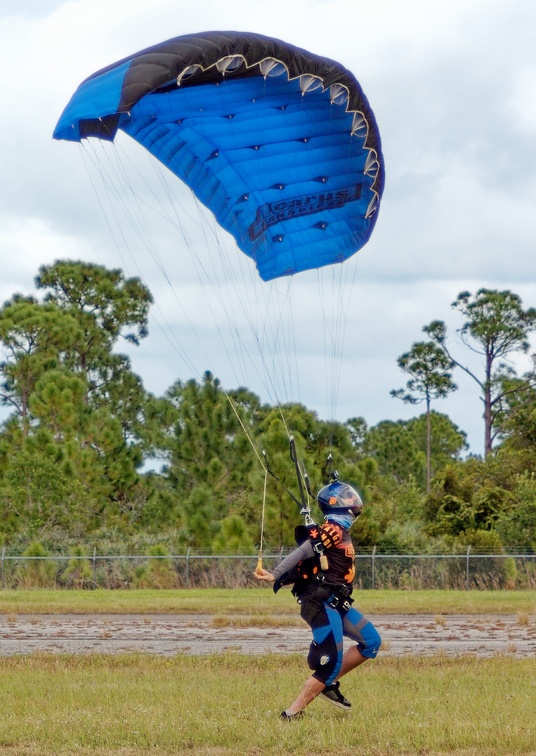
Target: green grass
x: 230, y: 704
x: 259, y: 601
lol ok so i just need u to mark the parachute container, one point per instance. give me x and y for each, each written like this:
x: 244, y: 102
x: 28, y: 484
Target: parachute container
x: 279, y: 143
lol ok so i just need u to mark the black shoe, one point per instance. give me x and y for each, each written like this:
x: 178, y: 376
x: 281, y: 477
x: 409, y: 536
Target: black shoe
x: 332, y: 694
x: 290, y: 717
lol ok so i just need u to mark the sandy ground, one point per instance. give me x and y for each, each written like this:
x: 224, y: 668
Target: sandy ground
x: 452, y: 635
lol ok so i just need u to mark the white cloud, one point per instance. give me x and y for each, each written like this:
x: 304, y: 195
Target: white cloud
x: 452, y: 85
x: 523, y: 100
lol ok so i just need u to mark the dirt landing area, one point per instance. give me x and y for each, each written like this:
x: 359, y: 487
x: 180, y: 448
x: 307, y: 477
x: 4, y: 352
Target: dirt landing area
x: 482, y: 635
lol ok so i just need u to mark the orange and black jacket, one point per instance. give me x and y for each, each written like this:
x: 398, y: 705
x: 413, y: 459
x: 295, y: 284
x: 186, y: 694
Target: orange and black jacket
x: 302, y: 566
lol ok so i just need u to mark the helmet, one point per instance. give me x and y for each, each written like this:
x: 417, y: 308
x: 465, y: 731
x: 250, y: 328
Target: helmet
x: 339, y: 499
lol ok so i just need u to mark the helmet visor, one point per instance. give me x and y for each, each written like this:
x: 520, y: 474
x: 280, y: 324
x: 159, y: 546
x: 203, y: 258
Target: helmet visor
x: 339, y: 497
x: 348, y: 497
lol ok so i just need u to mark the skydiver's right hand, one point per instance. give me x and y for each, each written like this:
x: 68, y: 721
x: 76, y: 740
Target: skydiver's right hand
x: 264, y: 575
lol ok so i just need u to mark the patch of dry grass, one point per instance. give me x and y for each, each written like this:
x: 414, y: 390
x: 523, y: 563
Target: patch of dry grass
x: 260, y: 620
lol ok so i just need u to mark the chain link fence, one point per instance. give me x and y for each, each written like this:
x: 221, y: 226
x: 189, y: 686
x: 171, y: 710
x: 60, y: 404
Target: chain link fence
x: 194, y: 570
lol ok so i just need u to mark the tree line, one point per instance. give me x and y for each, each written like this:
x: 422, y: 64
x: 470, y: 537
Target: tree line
x: 82, y: 426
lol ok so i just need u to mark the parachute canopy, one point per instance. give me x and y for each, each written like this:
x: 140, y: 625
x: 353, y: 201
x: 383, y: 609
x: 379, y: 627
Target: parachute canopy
x: 280, y: 144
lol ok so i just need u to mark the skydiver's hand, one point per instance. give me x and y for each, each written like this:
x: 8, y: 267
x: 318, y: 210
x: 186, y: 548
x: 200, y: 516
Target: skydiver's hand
x: 264, y: 575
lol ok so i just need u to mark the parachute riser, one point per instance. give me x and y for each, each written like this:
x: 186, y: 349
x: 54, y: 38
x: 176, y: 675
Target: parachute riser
x: 304, y: 486
x: 328, y: 474
x: 278, y: 480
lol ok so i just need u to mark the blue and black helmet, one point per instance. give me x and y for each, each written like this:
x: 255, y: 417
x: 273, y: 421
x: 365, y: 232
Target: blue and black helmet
x: 338, y: 499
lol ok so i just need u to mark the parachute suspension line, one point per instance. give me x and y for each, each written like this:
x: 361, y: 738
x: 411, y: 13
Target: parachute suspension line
x: 273, y: 336
x: 120, y: 199
x: 302, y: 477
x: 303, y: 483
x: 303, y: 480
x: 129, y: 203
x: 157, y: 208
x: 335, y: 324
x: 205, y: 278
x: 131, y: 210
x: 280, y: 352
x: 132, y: 214
x: 237, y: 300
x: 332, y: 322
x: 202, y: 273
x: 86, y: 158
x: 260, y: 459
x: 263, y: 513
x: 266, y: 473
x: 136, y: 216
x: 335, y: 305
x: 266, y: 306
x: 246, y: 302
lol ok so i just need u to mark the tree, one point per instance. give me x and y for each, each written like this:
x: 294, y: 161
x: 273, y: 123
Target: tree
x: 429, y: 367
x: 107, y: 306
x: 34, y: 337
x: 357, y: 428
x: 465, y: 499
x: 209, y: 447
x: 448, y: 441
x: 210, y: 459
x: 496, y: 326
x: 396, y: 451
x: 517, y: 526
x: 399, y: 448
x: 518, y: 418
x: 78, y: 410
x: 233, y: 537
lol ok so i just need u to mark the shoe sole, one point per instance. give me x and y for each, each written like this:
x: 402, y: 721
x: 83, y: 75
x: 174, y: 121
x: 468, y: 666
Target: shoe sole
x: 335, y: 703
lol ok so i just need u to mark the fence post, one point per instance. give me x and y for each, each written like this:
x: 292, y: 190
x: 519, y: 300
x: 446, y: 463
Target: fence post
x: 467, y: 569
x: 187, y: 568
x: 94, y: 567
x: 373, y: 572
x: 3, y: 554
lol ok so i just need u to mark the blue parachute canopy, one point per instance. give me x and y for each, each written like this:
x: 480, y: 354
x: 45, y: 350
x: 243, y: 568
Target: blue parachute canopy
x: 280, y: 144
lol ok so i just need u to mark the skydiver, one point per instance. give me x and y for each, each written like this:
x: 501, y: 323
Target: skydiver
x: 323, y: 591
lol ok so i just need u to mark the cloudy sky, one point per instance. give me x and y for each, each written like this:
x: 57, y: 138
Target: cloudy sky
x: 453, y: 87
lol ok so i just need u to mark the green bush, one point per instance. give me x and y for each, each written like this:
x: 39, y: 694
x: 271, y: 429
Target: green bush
x: 157, y: 572
x: 78, y: 573
x: 37, y: 571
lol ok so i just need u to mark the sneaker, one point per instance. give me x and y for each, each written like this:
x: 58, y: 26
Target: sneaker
x: 289, y: 717
x: 332, y: 694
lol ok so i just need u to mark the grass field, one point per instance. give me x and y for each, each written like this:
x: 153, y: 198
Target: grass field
x: 230, y: 704
x: 218, y: 705
x: 258, y: 601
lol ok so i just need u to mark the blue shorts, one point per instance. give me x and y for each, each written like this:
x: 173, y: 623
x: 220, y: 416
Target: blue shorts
x: 329, y: 626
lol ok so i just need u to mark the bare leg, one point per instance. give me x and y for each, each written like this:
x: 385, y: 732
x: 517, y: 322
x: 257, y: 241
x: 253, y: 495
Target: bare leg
x: 352, y: 658
x: 312, y: 687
